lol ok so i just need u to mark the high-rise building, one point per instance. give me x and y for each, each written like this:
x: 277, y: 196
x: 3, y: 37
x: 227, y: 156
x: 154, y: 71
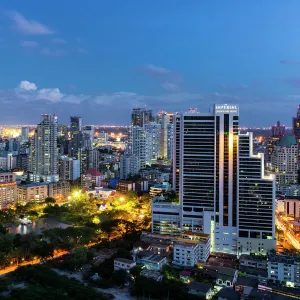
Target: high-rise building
x: 213, y: 182
x: 166, y: 139
x: 24, y: 135
x: 277, y: 132
x: 138, y: 145
x: 284, y: 161
x: 76, y: 137
x: 129, y: 165
x: 153, y: 132
x: 141, y: 116
x: 296, y: 132
x: 88, y: 136
x: 68, y: 168
x: 256, y: 205
x: 43, y: 161
x: 176, y: 152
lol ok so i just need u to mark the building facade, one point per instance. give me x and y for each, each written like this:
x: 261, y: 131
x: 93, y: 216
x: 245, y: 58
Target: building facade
x: 8, y: 190
x: 43, y: 161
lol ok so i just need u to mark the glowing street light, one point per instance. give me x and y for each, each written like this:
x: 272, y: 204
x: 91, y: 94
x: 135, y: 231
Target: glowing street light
x: 76, y: 194
x: 122, y: 199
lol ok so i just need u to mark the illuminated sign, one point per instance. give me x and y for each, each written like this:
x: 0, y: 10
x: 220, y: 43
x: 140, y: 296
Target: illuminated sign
x: 225, y: 108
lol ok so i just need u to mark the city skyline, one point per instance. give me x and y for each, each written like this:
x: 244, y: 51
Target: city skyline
x: 100, y: 72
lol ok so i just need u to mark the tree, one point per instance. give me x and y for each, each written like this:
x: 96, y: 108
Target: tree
x: 3, y: 230
x: 50, y: 200
x: 119, y: 277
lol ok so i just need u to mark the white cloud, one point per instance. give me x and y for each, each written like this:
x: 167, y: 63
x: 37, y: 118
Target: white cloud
x: 29, y: 44
x: 83, y: 51
x: 53, y: 52
x: 29, y: 27
x: 58, y: 41
x: 53, y: 95
x: 27, y: 86
x: 170, y: 87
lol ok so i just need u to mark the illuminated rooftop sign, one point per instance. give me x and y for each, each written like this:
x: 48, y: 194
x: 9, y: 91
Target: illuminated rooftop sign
x: 226, y: 108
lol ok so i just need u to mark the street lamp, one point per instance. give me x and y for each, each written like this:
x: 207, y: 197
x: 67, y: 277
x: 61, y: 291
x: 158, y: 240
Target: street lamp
x: 122, y: 199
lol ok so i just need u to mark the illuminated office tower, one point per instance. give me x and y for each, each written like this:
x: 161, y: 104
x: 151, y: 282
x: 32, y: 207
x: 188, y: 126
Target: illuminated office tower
x: 166, y: 139
x: 256, y: 206
x: 209, y: 184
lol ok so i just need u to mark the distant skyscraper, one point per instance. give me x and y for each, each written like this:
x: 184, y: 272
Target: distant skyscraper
x: 69, y: 168
x: 88, y: 136
x: 213, y: 198
x: 277, y: 132
x: 141, y: 116
x: 176, y: 152
x: 43, y: 162
x: 76, y: 137
x: 296, y: 132
x: 25, y: 134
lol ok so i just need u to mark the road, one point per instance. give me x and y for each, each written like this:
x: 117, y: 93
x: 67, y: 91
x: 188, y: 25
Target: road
x: 290, y: 237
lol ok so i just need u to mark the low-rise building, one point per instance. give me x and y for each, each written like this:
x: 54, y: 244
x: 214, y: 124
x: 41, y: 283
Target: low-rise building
x: 153, y: 262
x: 59, y: 190
x: 152, y: 274
x: 253, y: 261
x: 226, y: 277
x: 191, y: 249
x: 200, y: 289
x: 289, y: 206
x: 36, y: 191
x: 8, y: 190
x: 124, y: 186
x: 92, y: 178
x: 155, y: 175
x: 284, y: 268
x: 102, y: 193
x: 123, y: 264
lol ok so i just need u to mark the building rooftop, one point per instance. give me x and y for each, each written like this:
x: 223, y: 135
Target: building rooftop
x: 33, y: 184
x: 247, y: 281
x: 228, y: 293
x: 198, y: 234
x: 124, y: 260
x: 283, y: 259
x: 154, y: 258
x: 287, y: 141
x: 93, y: 172
x: 198, y: 286
x: 253, y: 257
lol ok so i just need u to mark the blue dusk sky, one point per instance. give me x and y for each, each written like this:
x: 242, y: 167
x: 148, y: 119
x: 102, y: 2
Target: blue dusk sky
x: 99, y: 59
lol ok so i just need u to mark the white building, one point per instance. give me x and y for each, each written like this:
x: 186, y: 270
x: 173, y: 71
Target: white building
x: 221, y: 182
x: 153, y: 132
x: 187, y: 252
x: 129, y: 165
x: 88, y: 136
x: 68, y: 168
x: 284, y: 161
x: 102, y: 138
x: 284, y: 268
x: 43, y: 160
x: 123, y: 264
x: 137, y: 145
x: 165, y: 217
x: 289, y: 206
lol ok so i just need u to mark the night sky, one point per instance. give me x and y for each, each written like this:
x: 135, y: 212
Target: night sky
x: 98, y: 59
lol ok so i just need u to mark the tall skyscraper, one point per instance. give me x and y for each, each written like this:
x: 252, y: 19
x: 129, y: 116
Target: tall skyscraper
x: 24, y: 135
x: 176, y: 151
x: 141, y: 116
x: 88, y: 136
x: 153, y: 131
x: 76, y: 137
x: 277, y: 132
x: 137, y: 145
x: 213, y: 182
x: 296, y: 132
x: 43, y: 162
x: 166, y: 139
